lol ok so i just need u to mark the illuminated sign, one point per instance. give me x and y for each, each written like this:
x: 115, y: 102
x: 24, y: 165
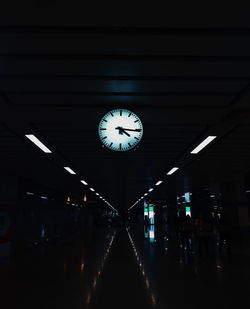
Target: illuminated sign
x: 188, y: 211
x: 187, y: 197
x: 152, y: 233
x: 151, y: 214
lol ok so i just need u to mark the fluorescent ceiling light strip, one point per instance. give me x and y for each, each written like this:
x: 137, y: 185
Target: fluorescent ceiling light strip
x: 150, y: 190
x: 158, y: 183
x: 84, y: 182
x: 203, y: 144
x: 91, y: 189
x: 38, y: 143
x: 69, y: 170
x: 174, y: 169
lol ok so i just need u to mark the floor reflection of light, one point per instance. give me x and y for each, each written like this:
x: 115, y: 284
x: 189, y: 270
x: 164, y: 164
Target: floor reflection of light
x: 82, y: 266
x: 140, y: 264
x: 99, y: 271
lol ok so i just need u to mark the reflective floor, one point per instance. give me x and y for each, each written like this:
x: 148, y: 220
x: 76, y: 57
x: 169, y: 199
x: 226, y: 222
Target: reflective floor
x: 126, y: 268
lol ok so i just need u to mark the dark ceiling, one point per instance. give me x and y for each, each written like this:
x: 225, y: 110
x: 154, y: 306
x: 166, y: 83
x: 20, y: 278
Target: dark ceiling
x: 185, y: 75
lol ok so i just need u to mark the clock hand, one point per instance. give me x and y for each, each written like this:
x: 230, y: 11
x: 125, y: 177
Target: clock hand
x: 135, y: 130
x: 121, y: 130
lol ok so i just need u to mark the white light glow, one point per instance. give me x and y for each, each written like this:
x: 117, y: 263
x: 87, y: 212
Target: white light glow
x: 158, y: 183
x: 84, y: 182
x: 97, y: 193
x: 38, y: 143
x: 91, y: 189
x: 150, y: 190
x: 145, y: 194
x: 174, y: 169
x: 29, y: 193
x: 69, y: 170
x: 203, y: 144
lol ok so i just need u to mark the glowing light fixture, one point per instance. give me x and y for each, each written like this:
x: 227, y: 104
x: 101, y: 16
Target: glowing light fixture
x: 174, y: 169
x: 158, y: 182
x: 29, y: 193
x: 84, y: 182
x: 69, y: 170
x: 91, y: 189
x: 203, y: 144
x: 150, y: 190
x: 38, y: 143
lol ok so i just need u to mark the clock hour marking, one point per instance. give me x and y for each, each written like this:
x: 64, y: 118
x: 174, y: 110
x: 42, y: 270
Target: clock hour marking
x: 103, y: 129
x: 129, y: 115
x: 110, y: 144
x: 120, y: 112
x: 105, y: 120
x: 129, y: 144
x: 111, y: 114
x: 104, y: 137
x: 136, y: 120
x: 120, y: 146
x: 136, y: 138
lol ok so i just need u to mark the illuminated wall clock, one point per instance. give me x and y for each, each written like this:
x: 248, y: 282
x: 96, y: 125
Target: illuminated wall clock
x: 120, y: 130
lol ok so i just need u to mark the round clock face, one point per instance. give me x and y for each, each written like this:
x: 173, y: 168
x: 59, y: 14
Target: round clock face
x: 120, y: 130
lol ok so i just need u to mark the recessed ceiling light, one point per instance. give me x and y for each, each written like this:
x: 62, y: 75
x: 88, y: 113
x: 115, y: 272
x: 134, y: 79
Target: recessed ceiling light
x: 38, y: 143
x: 91, y: 189
x: 69, y: 170
x: 97, y: 193
x: 174, y: 169
x: 158, y: 182
x: 84, y: 182
x: 203, y: 144
x: 145, y: 194
x: 150, y: 190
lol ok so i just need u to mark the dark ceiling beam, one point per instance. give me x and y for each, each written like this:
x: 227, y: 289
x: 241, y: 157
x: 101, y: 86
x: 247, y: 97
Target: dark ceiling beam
x: 240, y: 96
x: 124, y: 77
x: 168, y: 31
x: 118, y: 93
x: 126, y: 57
